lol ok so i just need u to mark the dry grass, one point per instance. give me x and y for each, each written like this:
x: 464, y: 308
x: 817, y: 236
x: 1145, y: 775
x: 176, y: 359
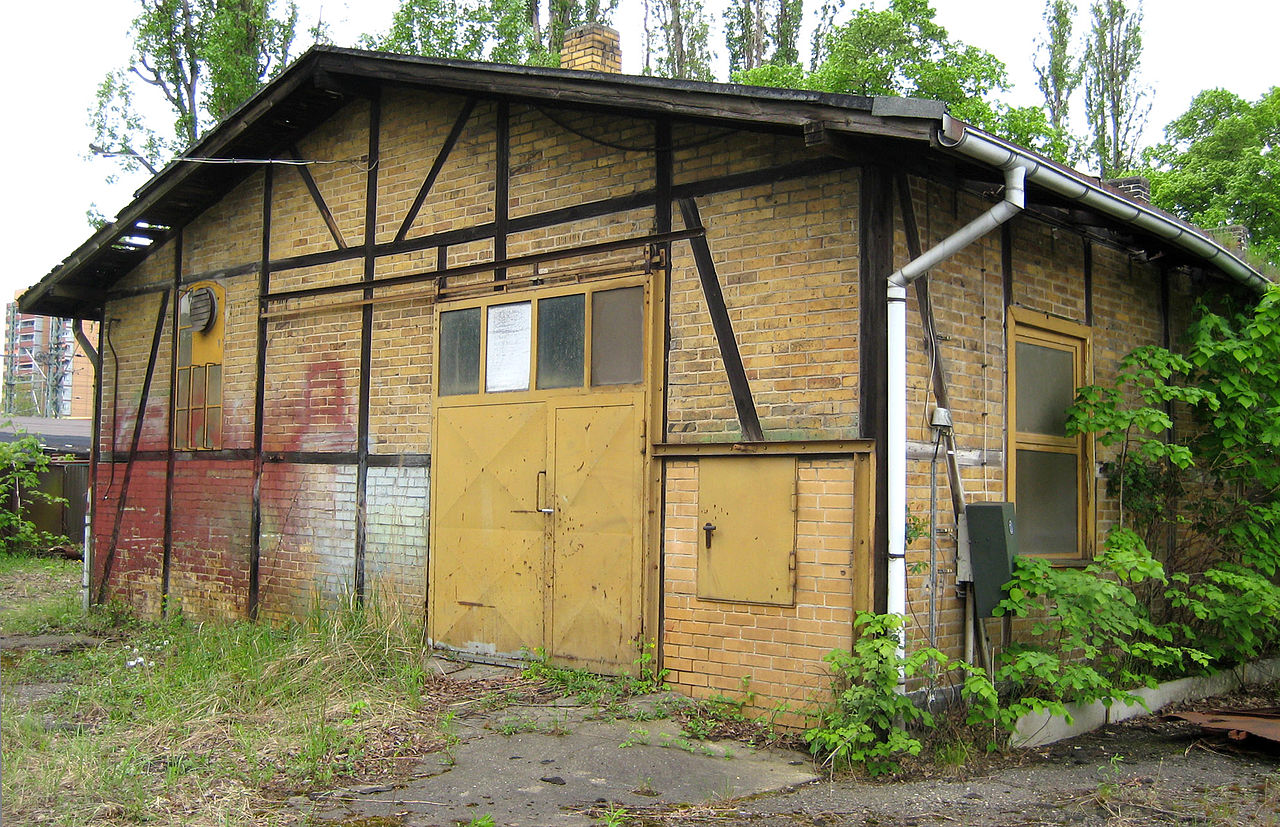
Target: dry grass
x: 218, y: 724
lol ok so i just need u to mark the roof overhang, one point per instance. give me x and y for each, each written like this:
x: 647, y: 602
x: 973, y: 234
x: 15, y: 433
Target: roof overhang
x: 327, y: 78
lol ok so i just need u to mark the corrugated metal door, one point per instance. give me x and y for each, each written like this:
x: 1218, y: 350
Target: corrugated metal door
x: 487, y: 556
x: 595, y: 577
x: 523, y: 560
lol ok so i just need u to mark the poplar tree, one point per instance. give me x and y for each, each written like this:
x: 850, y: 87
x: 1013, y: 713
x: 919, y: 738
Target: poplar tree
x: 1116, y: 101
x: 206, y: 57
x: 676, y: 40
x: 503, y: 31
x: 1058, y: 72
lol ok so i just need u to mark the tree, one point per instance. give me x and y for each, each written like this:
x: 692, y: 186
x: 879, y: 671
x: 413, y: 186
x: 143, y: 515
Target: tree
x: 206, y: 57
x: 1220, y: 164
x: 754, y: 35
x: 675, y: 45
x: 1058, y: 72
x: 902, y: 51
x: 1116, y: 102
x: 504, y: 31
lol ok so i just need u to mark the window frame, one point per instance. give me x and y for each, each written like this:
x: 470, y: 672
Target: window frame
x: 1041, y: 329
x: 206, y: 350
x: 534, y: 296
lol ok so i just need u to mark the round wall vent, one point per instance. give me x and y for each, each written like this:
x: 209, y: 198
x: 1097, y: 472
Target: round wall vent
x: 204, y: 306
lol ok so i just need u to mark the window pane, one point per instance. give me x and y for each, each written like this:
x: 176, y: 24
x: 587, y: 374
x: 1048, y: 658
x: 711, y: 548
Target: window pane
x: 1046, y: 387
x: 197, y: 428
x: 460, y: 351
x: 183, y: 388
x: 507, y: 347
x: 1047, y: 499
x: 180, y: 438
x: 617, y: 328
x: 213, y: 385
x: 184, y: 347
x: 197, y: 387
x: 213, y: 428
x: 561, y: 331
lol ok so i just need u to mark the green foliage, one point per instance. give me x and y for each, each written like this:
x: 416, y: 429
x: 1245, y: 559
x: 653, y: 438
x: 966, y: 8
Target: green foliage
x: 1116, y: 101
x: 1220, y: 165
x: 503, y: 31
x: 1210, y: 489
x: 867, y: 724
x: 21, y: 463
x: 756, y: 35
x: 1092, y: 637
x: 205, y: 57
x: 1058, y: 72
x: 900, y: 50
x: 676, y: 40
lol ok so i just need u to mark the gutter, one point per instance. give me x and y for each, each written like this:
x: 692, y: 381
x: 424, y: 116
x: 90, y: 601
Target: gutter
x: 967, y: 140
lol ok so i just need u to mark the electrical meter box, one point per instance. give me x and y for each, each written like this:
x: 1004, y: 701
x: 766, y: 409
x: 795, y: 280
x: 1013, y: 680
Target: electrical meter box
x: 993, y: 543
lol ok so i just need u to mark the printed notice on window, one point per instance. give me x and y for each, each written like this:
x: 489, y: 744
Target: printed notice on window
x: 508, y: 339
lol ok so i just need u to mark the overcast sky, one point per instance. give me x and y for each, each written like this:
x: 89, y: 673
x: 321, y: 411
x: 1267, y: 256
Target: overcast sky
x: 55, y: 53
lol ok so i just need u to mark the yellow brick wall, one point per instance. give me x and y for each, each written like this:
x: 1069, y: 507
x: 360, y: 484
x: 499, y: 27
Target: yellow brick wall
x: 297, y: 225
x: 787, y: 260
x: 227, y: 234
x: 968, y: 300
x: 771, y: 655
x: 414, y: 128
x: 553, y: 165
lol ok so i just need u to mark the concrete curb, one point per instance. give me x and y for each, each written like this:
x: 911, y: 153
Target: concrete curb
x: 1040, y: 728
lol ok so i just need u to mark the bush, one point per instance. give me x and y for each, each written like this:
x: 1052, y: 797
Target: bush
x: 21, y: 463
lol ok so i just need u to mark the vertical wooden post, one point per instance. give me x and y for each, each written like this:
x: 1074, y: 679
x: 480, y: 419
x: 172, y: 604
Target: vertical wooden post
x: 259, y: 396
x: 875, y: 245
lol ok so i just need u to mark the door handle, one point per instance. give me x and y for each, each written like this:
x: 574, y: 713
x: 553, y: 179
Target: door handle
x: 709, y: 528
x: 540, y: 496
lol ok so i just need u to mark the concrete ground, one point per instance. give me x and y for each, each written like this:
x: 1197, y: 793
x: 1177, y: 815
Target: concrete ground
x: 561, y: 763
x: 557, y: 764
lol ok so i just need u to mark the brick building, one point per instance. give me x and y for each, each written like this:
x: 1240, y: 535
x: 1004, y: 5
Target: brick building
x: 46, y: 372
x: 571, y: 360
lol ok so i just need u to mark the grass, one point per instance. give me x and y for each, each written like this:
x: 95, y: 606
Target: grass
x: 215, y: 723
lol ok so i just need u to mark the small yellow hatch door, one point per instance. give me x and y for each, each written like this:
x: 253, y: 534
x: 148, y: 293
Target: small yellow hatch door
x: 747, y: 529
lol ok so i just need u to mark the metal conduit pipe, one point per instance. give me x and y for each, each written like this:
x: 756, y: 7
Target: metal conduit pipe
x: 1015, y: 168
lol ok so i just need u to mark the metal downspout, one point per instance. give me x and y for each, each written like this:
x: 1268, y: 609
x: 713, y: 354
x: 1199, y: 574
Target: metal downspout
x: 1015, y: 169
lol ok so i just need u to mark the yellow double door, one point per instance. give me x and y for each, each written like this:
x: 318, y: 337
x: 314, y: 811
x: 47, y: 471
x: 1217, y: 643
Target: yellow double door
x: 537, y: 530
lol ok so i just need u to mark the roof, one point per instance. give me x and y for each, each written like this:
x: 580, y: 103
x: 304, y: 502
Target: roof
x: 326, y: 78
x: 57, y: 436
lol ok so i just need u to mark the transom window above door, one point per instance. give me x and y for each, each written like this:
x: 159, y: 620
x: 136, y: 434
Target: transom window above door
x: 570, y: 340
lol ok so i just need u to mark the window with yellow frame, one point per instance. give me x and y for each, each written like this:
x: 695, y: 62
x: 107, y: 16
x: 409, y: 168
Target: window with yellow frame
x: 1049, y: 472
x: 197, y: 398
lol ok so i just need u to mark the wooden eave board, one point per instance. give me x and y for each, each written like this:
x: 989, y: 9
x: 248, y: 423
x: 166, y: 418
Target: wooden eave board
x: 324, y: 79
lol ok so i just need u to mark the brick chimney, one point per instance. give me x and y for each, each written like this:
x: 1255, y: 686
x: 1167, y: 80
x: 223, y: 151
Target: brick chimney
x: 1136, y: 187
x: 593, y: 48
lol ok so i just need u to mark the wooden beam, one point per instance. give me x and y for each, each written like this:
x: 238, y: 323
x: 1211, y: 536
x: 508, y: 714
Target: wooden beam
x: 366, y: 345
x: 141, y: 418
x: 318, y: 199
x: 875, y: 244
x: 488, y: 266
x: 259, y: 398
x: 748, y: 419
x: 442, y: 156
x: 502, y: 188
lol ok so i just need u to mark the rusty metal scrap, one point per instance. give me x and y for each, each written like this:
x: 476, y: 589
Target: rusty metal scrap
x: 1237, y: 723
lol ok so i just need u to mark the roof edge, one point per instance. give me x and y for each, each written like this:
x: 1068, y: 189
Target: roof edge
x: 968, y: 140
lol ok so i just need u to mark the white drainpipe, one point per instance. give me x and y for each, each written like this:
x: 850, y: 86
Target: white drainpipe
x: 1015, y: 168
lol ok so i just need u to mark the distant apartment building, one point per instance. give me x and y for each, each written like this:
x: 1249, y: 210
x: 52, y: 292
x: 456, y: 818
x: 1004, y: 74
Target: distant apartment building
x: 45, y: 371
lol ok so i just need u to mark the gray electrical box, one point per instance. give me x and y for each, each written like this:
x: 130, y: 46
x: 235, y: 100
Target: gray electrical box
x: 993, y: 543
